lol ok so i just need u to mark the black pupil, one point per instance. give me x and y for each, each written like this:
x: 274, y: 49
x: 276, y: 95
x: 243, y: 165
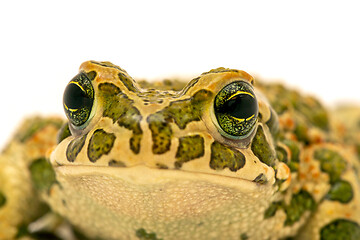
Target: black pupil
x: 75, y: 97
x: 241, y: 106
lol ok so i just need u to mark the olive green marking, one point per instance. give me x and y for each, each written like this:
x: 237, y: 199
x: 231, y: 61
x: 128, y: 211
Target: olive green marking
x: 42, y: 174
x: 273, y: 124
x: 295, y: 154
x: 63, y: 133
x: 109, y: 89
x: 357, y: 150
x: 22, y: 231
x: 301, y: 131
x: 33, y: 125
x: 271, y: 210
x: 116, y: 163
x: 331, y: 162
x: 262, y: 149
x: 340, y: 229
x: 161, y: 133
x: 340, y: 191
x: 120, y: 109
x: 181, y: 112
x: 314, y: 112
x: 225, y: 157
x: 261, y: 179
x: 143, y: 235
x: 189, y: 110
x: 128, y: 83
x: 161, y: 166
x: 244, y: 236
x: 284, y: 99
x: 281, y: 154
x: 190, y: 147
x: 74, y: 148
x: 299, y: 204
x: 91, y: 75
x: 2, y: 199
x: 100, y: 144
x: 131, y: 120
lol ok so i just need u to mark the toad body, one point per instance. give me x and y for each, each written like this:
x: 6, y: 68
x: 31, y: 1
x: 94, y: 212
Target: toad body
x: 221, y: 157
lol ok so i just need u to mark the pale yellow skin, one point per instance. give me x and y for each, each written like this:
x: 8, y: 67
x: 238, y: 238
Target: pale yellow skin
x: 194, y: 201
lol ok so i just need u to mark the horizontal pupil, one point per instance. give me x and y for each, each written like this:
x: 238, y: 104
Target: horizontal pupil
x: 240, y: 106
x: 75, y: 97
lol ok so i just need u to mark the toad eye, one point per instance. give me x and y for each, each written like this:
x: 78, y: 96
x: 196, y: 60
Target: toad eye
x: 236, y: 110
x: 78, y: 99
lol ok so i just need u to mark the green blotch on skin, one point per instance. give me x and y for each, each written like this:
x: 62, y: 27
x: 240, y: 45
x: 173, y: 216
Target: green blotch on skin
x: 301, y: 132
x: 261, y: 179
x: 190, y: 147
x: 161, y: 166
x: 115, y: 163
x: 100, y: 144
x: 331, y: 162
x: 23, y: 233
x: 42, y: 174
x: 262, y: 149
x: 273, y: 124
x: 281, y: 154
x: 341, y: 191
x: 299, y: 204
x: 161, y: 133
x: 33, y: 125
x: 128, y: 82
x: 271, y: 211
x: 312, y: 109
x: 63, y: 133
x: 181, y: 112
x: 186, y: 111
x: 74, y: 148
x: 91, y: 75
x: 244, y: 236
x: 357, y: 149
x: 283, y: 99
x: 143, y: 235
x: 120, y: 109
x: 340, y: 229
x: 225, y: 157
x: 2, y: 199
x: 295, y: 154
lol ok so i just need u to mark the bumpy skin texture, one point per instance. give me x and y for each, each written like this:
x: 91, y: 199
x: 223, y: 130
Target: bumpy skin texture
x: 151, y: 161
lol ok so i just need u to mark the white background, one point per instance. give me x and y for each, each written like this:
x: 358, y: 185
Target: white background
x: 312, y: 45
